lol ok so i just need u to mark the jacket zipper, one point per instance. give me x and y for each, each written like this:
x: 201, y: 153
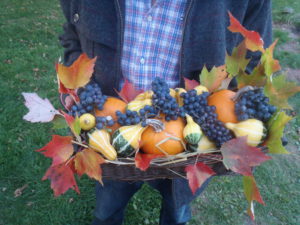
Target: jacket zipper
x: 121, y: 27
x: 182, y: 40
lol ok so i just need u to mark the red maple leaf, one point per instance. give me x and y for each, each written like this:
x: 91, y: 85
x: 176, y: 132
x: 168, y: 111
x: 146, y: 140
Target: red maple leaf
x: 128, y: 92
x: 190, y: 84
x: 88, y: 161
x: 240, y: 157
x: 142, y: 161
x: 252, y: 194
x: 197, y: 174
x: 62, y: 178
x: 253, y: 40
x: 60, y: 149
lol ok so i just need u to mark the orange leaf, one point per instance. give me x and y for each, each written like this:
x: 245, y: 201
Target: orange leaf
x: 60, y: 149
x: 240, y: 157
x: 88, y: 161
x: 252, y: 194
x: 142, y: 161
x: 197, y: 174
x: 253, y: 40
x: 78, y: 74
x: 62, y: 178
x: 190, y: 84
x: 128, y: 92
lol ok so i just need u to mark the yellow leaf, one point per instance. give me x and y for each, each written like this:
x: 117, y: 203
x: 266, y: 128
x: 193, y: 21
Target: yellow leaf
x: 78, y: 74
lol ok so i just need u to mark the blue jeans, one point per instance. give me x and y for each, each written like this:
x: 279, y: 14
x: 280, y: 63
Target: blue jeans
x: 112, y: 198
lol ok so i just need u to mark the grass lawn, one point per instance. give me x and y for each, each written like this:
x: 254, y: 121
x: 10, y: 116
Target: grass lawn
x: 29, y: 49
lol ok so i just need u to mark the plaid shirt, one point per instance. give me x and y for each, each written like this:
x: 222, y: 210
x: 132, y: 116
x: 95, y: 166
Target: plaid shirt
x: 152, y: 41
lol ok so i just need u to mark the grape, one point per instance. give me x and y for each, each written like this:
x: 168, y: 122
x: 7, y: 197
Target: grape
x: 162, y: 101
x: 254, y: 104
x: 90, y: 97
x: 203, y: 114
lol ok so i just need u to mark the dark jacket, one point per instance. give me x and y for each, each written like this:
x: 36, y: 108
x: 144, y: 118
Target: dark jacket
x: 96, y: 27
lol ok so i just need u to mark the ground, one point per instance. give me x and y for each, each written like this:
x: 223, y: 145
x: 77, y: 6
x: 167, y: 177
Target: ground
x: 29, y: 49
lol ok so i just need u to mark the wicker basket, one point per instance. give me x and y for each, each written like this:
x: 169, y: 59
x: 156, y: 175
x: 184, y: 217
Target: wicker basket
x: 164, y: 168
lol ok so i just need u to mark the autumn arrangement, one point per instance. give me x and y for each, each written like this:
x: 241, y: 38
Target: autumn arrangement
x: 183, y: 131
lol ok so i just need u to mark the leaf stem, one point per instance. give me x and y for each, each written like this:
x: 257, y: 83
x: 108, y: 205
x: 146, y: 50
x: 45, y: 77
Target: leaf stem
x: 79, y: 143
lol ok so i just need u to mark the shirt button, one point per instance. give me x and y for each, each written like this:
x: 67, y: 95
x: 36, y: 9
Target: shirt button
x: 76, y: 17
x: 142, y: 60
x: 149, y: 18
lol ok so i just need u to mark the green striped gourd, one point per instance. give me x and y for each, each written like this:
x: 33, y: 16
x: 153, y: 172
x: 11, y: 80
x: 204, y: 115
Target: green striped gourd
x: 126, y: 139
x: 192, y: 132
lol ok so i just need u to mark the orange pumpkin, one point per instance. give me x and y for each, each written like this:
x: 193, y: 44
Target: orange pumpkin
x: 150, y: 138
x: 110, y: 107
x: 224, y: 104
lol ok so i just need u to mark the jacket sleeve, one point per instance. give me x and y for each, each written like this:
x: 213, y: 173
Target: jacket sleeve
x: 69, y: 39
x: 258, y: 18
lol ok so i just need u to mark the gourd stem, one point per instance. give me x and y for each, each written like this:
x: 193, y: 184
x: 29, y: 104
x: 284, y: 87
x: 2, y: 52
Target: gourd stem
x: 157, y: 125
x: 242, y: 90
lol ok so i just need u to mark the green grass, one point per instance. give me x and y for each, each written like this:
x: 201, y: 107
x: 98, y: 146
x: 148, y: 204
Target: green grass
x: 29, y: 49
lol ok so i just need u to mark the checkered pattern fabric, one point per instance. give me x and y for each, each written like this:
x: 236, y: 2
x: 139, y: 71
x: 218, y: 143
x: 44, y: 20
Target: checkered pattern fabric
x: 152, y: 41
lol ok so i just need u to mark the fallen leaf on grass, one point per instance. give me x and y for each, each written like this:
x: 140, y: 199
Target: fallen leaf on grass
x: 18, y: 192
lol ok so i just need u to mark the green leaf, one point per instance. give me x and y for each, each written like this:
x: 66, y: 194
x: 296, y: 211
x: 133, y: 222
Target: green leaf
x: 275, y: 131
x: 270, y: 64
x: 278, y: 90
x: 59, y: 122
x: 251, y: 193
x: 237, y: 60
x: 76, y: 126
x: 213, y: 79
x: 257, y: 78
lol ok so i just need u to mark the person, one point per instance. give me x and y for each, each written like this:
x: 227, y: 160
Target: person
x: 139, y: 40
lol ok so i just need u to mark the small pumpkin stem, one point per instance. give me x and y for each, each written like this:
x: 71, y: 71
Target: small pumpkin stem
x: 242, y: 90
x: 157, y: 125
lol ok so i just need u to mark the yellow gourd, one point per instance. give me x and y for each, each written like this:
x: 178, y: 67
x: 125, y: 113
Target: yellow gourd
x: 192, y: 132
x: 136, y: 105
x: 252, y: 128
x: 126, y: 139
x: 172, y: 92
x: 205, y: 145
x: 144, y: 95
x: 99, y: 140
x: 200, y: 89
x: 179, y: 99
x: 87, y: 121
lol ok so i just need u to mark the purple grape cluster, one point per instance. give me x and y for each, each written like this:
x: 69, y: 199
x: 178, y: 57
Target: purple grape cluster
x: 133, y: 117
x: 90, y: 96
x: 104, y: 121
x: 254, y: 104
x: 128, y: 118
x: 164, y: 102
x: 203, y: 114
